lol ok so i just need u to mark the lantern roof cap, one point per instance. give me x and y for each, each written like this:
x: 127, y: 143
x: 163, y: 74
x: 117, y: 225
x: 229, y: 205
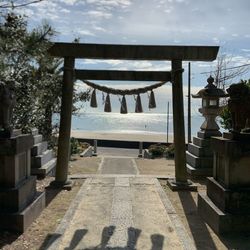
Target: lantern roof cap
x: 210, y: 90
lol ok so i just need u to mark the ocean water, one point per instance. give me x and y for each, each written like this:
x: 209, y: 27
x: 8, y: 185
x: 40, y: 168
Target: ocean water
x: 129, y: 123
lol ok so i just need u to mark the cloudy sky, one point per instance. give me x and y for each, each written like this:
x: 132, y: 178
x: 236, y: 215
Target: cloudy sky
x: 196, y: 22
x: 181, y: 22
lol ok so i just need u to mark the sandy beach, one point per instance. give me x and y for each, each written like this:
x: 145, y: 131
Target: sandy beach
x: 147, y: 137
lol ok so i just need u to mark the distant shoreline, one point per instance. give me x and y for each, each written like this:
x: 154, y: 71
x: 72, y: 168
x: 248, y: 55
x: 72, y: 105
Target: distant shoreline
x: 122, y: 136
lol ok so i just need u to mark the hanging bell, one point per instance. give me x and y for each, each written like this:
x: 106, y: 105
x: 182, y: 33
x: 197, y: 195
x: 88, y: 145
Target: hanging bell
x: 124, y: 109
x: 107, y: 105
x: 138, y: 106
x: 93, y: 102
x: 152, y: 104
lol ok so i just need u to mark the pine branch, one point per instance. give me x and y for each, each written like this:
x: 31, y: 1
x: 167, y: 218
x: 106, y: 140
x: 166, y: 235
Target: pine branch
x: 11, y: 5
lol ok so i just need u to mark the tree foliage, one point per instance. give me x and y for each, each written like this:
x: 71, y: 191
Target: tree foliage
x: 17, y: 4
x: 225, y: 71
x: 37, y: 77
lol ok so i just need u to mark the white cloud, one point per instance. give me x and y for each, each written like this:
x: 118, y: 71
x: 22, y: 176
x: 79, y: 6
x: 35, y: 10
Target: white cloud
x: 98, y: 28
x: 245, y: 50
x: 69, y: 2
x: 99, y: 14
x: 112, y: 3
x: 85, y: 32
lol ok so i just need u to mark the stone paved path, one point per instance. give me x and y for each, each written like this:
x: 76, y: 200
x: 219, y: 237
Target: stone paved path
x: 118, y: 165
x: 121, y: 213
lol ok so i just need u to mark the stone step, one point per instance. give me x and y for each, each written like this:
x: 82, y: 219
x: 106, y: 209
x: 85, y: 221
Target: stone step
x: 37, y: 139
x: 199, y: 172
x: 39, y: 148
x: 40, y: 160
x: 200, y: 151
x: 201, y: 142
x: 34, y: 131
x: 16, y: 132
x: 46, y: 169
x: 199, y: 162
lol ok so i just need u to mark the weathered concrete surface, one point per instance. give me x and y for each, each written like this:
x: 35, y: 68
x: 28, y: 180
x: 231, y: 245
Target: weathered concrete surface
x: 156, y: 167
x: 121, y: 152
x: 114, y: 165
x: 121, y: 213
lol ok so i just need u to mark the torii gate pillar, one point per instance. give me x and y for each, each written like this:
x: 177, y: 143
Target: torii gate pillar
x: 180, y: 182
x: 61, y: 179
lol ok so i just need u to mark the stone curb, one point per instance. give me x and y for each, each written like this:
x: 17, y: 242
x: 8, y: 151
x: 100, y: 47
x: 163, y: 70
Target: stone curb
x: 179, y: 227
x: 56, y: 236
x: 88, y: 152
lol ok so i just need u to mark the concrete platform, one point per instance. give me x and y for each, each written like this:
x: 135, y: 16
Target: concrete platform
x: 121, y: 213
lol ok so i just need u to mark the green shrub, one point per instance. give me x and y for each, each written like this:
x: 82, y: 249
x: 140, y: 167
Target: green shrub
x: 77, y: 147
x: 74, y: 146
x: 170, y: 151
x: 157, y: 150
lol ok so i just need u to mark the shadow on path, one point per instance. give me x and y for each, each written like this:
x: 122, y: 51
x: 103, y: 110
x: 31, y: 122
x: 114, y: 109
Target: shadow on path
x: 198, y: 228
x: 77, y: 240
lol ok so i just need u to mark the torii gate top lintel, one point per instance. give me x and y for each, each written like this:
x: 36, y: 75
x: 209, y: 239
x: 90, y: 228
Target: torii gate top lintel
x: 134, y: 52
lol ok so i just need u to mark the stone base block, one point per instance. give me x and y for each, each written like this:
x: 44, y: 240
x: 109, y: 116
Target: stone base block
x: 39, y: 148
x: 67, y: 185
x: 37, y: 139
x: 199, y: 172
x: 219, y: 221
x: 174, y: 186
x: 20, y: 221
x: 199, y: 162
x: 15, y: 145
x: 40, y: 160
x: 201, y: 142
x: 200, y: 151
x: 208, y: 134
x: 46, y: 169
x: 235, y: 201
x: 16, y: 199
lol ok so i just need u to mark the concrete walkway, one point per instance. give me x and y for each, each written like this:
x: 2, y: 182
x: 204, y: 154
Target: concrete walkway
x: 121, y: 212
x: 118, y: 165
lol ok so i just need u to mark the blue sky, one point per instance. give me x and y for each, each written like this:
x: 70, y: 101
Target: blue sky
x: 164, y: 22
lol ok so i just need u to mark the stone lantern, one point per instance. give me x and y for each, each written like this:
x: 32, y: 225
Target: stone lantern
x: 210, y: 108
x: 199, y: 154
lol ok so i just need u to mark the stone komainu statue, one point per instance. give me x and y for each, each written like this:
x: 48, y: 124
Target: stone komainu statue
x: 239, y: 105
x: 7, y: 103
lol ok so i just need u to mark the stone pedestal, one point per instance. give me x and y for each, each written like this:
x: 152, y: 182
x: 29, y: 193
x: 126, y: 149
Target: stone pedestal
x: 226, y: 205
x: 20, y: 203
x: 200, y: 154
x: 43, y: 162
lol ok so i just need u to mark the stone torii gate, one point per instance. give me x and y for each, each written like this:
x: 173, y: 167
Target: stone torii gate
x: 176, y: 54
